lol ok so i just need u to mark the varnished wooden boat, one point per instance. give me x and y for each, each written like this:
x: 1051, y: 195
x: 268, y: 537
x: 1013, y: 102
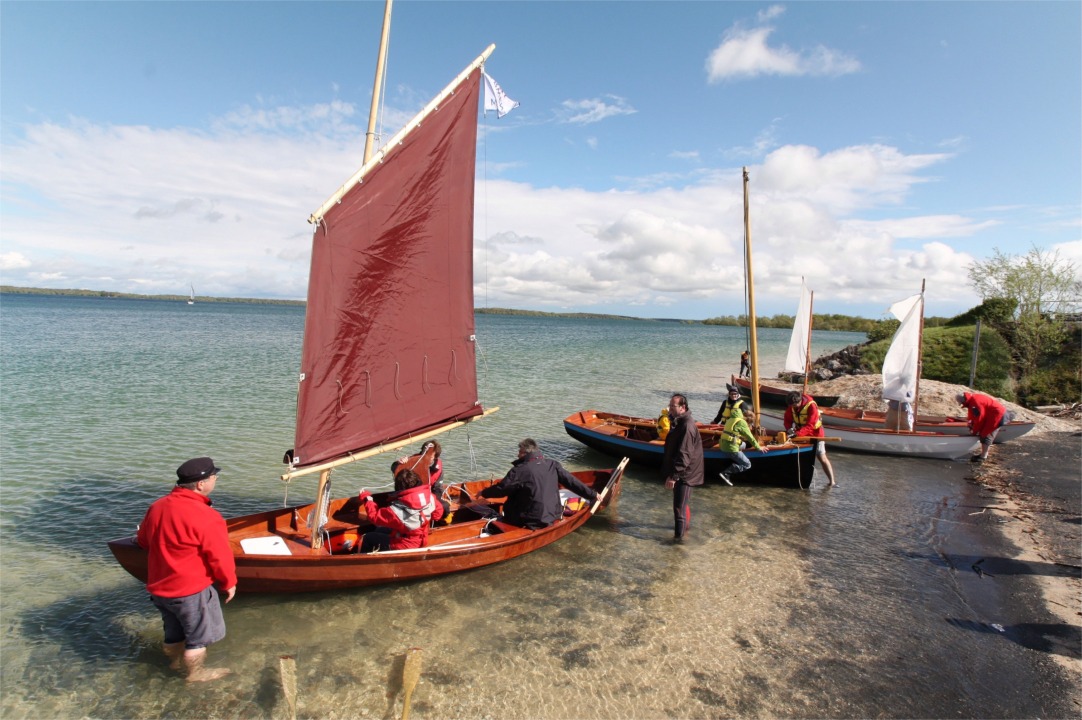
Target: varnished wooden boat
x: 786, y: 465
x: 476, y: 537
x: 949, y: 425
x: 776, y: 396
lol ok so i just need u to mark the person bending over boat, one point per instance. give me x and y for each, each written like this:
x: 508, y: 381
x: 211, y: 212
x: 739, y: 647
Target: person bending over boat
x: 188, y: 553
x: 405, y: 521
x: 732, y: 438
x: 802, y: 420
x: 532, y: 489
x: 728, y: 405
x: 986, y: 416
x: 682, y: 466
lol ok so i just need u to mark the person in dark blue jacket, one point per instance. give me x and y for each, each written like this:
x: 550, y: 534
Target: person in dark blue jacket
x: 532, y: 489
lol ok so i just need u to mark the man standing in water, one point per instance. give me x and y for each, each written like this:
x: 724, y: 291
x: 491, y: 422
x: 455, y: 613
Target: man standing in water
x: 188, y: 552
x: 802, y: 420
x: 683, y: 463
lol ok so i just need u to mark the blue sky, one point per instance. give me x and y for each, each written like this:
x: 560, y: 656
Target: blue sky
x: 148, y: 145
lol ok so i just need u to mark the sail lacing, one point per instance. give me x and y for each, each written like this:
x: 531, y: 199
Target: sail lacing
x: 340, y: 411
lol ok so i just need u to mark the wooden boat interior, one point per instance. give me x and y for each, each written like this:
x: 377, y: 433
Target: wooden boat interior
x: 472, y: 517
x: 645, y: 430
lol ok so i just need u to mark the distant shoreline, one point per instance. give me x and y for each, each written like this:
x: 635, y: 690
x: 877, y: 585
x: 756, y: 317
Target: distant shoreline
x: 13, y: 290
x: 858, y: 324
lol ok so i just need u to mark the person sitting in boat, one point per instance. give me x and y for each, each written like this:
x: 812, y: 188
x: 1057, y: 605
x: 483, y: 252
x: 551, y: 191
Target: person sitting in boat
x: 731, y: 442
x: 532, y: 489
x: 429, y: 467
x: 986, y: 416
x: 802, y: 420
x: 405, y: 521
x: 745, y: 364
x: 664, y: 424
x: 728, y: 405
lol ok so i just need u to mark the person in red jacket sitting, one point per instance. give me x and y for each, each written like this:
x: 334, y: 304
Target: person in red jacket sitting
x: 405, y: 521
x: 429, y: 467
x: 188, y: 554
x: 986, y: 416
x: 802, y: 420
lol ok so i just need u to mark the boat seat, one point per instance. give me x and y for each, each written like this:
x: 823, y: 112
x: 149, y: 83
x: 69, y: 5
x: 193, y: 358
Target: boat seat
x: 611, y: 430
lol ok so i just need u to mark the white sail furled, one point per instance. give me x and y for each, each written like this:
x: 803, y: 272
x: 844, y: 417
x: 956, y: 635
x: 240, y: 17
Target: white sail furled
x: 901, y: 366
x: 797, y: 359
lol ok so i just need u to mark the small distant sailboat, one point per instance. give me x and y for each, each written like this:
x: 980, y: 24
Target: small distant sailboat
x: 191, y: 297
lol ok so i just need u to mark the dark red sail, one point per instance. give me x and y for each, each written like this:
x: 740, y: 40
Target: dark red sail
x: 389, y: 330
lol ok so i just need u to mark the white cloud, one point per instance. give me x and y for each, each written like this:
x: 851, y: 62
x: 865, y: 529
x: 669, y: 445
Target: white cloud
x: 585, y: 112
x: 13, y: 261
x: 143, y: 210
x: 745, y: 53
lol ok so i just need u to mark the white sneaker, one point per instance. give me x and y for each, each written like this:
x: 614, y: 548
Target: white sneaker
x: 725, y: 479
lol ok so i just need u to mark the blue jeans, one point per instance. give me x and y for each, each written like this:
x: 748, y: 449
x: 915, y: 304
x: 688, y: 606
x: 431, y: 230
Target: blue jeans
x: 740, y: 463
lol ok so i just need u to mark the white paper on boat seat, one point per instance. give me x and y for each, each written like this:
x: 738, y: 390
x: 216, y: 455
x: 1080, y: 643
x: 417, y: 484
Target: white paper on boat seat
x: 272, y: 545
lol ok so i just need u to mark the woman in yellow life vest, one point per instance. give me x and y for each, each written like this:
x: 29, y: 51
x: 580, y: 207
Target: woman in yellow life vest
x: 728, y: 405
x: 734, y: 435
x: 663, y: 424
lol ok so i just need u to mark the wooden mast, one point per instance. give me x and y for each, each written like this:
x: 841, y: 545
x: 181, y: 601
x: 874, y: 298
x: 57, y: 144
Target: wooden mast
x: 751, y: 313
x: 369, y: 140
x: 807, y: 351
x: 920, y: 351
x: 373, y: 112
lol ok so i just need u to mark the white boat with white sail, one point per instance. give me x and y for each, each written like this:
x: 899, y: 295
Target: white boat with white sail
x: 901, y: 387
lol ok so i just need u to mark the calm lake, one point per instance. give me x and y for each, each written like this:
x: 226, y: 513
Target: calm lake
x: 852, y: 602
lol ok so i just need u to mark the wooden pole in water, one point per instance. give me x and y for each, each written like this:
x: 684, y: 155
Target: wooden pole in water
x: 287, y: 667
x: 370, y: 136
x: 411, y: 673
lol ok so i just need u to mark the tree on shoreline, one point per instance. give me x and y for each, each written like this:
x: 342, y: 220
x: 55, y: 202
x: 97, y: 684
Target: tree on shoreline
x: 1045, y: 293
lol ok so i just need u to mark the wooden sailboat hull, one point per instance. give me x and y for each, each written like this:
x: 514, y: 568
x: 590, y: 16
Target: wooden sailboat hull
x: 890, y: 442
x: 471, y: 541
x: 775, y: 396
x: 636, y: 438
x: 876, y: 420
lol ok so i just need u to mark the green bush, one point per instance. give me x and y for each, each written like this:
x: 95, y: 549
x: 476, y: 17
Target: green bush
x: 946, y: 354
x: 997, y: 311
x: 1059, y: 377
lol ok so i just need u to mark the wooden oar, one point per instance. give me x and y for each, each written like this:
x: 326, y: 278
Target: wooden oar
x: 411, y: 673
x: 605, y: 491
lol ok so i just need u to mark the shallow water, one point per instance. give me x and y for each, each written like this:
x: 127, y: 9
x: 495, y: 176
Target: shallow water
x: 853, y: 602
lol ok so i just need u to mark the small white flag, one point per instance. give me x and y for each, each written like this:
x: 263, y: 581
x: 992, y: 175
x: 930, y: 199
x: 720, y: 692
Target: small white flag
x: 495, y: 98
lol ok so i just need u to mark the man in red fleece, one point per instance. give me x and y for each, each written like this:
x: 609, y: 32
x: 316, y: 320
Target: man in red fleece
x: 188, y: 553
x: 986, y: 416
